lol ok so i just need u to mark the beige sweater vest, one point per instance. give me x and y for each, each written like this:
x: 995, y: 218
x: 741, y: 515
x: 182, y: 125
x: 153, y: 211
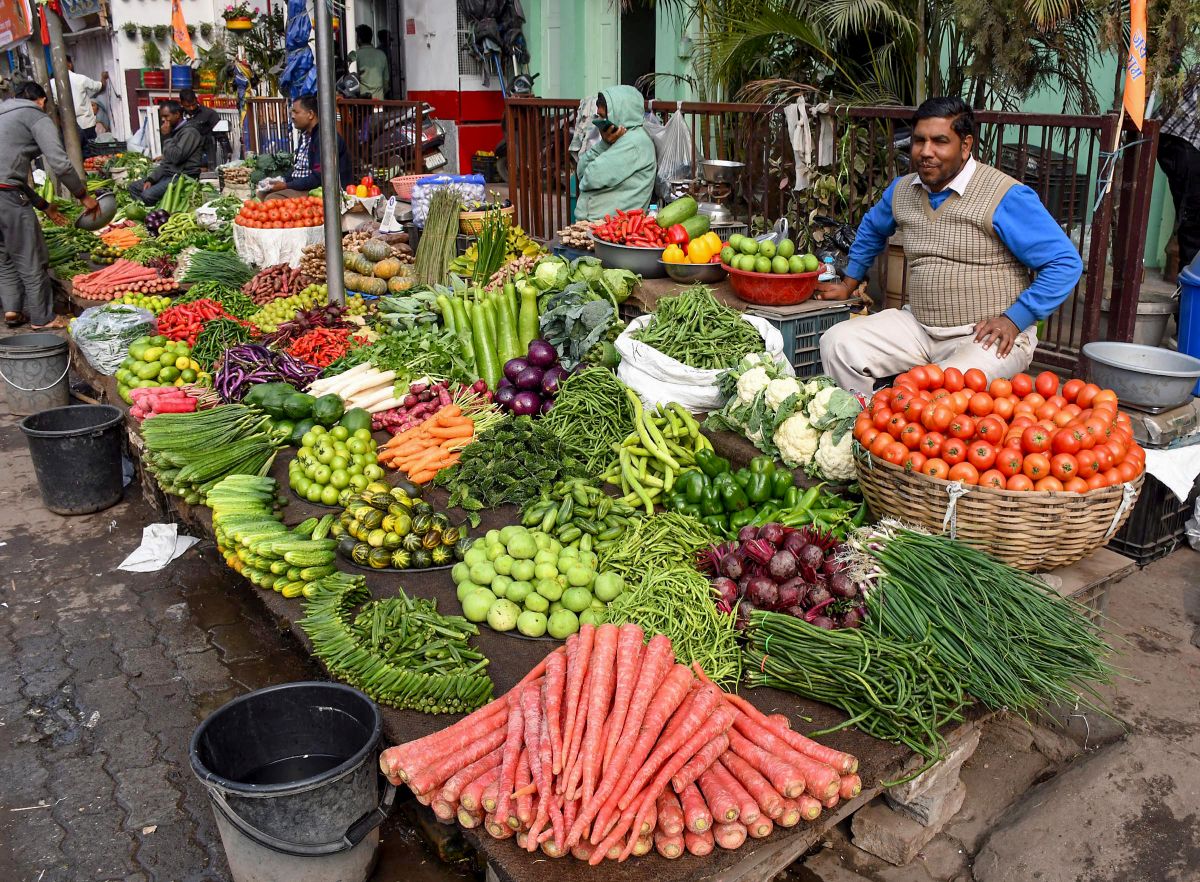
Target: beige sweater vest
x: 959, y: 272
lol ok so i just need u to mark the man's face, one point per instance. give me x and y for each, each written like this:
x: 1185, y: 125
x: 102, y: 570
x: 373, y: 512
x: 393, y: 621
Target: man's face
x: 302, y: 118
x: 170, y: 119
x: 188, y: 106
x: 938, y: 153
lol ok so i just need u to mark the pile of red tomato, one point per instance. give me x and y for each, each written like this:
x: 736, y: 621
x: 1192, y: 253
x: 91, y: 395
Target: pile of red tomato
x: 1021, y: 434
x: 281, y: 214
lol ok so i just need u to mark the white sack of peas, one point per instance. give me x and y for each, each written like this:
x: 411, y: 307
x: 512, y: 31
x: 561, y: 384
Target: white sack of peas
x: 658, y: 378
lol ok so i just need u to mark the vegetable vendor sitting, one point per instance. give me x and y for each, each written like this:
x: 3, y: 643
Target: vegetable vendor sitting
x: 306, y: 171
x: 972, y: 238
x: 182, y: 152
x: 617, y: 172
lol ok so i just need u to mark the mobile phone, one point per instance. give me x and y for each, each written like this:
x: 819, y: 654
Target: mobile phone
x: 602, y: 123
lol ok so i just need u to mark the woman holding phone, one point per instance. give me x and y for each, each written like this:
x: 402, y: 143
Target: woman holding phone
x: 618, y: 171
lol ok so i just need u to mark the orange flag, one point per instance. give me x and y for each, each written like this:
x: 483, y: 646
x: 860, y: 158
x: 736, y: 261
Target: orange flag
x: 1135, y: 67
x: 179, y: 26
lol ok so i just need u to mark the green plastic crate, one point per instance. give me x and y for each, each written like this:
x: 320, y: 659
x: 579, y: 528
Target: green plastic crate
x: 802, y: 337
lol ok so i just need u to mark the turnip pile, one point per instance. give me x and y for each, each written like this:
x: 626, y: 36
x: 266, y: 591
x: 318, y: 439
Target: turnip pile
x: 609, y: 748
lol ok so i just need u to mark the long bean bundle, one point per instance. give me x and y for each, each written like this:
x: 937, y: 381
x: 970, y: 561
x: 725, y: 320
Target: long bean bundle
x: 693, y: 328
x: 400, y: 651
x: 591, y: 413
x: 435, y: 249
x: 666, y: 595
x: 894, y: 690
x: 1016, y: 643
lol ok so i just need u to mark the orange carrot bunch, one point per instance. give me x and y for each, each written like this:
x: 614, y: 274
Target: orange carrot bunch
x: 424, y: 450
x: 694, y: 767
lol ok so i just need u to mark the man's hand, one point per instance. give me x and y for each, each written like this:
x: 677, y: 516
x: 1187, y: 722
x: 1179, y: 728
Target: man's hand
x: 842, y: 289
x: 610, y: 135
x: 145, y: 186
x: 55, y: 215
x: 279, y: 185
x: 999, y: 330
x: 89, y: 203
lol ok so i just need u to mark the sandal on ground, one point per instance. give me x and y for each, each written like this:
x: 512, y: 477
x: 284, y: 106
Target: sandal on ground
x: 59, y: 323
x: 15, y: 319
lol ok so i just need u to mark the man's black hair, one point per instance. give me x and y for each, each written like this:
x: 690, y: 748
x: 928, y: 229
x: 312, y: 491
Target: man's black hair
x: 309, y: 103
x: 364, y: 34
x: 960, y: 114
x: 170, y: 105
x: 30, y: 91
x: 69, y: 59
x: 188, y: 95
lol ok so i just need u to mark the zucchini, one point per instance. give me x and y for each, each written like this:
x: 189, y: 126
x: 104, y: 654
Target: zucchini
x: 677, y: 212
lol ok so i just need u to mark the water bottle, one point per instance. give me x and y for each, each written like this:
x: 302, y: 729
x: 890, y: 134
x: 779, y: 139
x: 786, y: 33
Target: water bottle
x: 828, y: 271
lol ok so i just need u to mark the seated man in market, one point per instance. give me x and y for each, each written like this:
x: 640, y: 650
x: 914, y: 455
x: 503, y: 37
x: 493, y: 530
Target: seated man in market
x: 972, y: 238
x: 182, y: 154
x: 617, y: 172
x: 203, y: 118
x: 306, y: 169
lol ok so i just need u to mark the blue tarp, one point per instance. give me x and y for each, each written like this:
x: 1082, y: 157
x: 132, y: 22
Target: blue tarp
x: 299, y: 75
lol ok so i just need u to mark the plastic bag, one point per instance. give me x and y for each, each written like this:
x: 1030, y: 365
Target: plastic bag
x: 1192, y: 528
x: 468, y: 187
x: 676, y: 154
x: 103, y: 333
x: 658, y: 378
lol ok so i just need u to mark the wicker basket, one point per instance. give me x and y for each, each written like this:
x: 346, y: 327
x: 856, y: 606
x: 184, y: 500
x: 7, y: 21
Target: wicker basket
x: 471, y: 222
x: 404, y: 186
x: 1029, y: 530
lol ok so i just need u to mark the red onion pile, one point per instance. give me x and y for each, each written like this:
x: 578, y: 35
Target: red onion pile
x: 796, y: 572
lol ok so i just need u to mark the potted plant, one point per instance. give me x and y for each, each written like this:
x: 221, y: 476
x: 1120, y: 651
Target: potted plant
x: 153, y: 77
x: 181, y: 69
x: 161, y: 32
x: 239, y: 16
x: 191, y: 29
x: 206, y: 29
x: 130, y: 29
x: 147, y: 32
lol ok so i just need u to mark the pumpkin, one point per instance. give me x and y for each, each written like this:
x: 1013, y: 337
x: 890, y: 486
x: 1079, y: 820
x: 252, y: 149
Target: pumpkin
x: 375, y: 249
x: 399, y: 284
x: 364, y: 265
x: 374, y: 287
x: 352, y: 280
x: 387, y: 268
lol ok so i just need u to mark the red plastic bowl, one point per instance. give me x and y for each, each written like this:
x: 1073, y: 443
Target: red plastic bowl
x: 771, y: 289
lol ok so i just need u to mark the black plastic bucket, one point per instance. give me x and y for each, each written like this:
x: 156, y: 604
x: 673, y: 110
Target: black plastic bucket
x: 77, y: 456
x: 292, y: 772
x: 33, y: 372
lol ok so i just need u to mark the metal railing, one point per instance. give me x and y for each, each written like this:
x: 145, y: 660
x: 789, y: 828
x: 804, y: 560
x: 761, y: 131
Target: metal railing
x: 1061, y: 157
x: 380, y: 135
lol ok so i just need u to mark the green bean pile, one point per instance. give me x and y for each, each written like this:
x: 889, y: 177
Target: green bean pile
x: 1016, y: 643
x: 666, y: 595
x: 591, y: 414
x: 891, y: 689
x: 400, y: 651
x: 693, y: 328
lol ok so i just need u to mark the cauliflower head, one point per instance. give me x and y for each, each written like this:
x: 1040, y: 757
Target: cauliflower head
x: 751, y: 383
x: 836, y: 461
x: 819, y: 405
x: 797, y: 440
x: 779, y: 390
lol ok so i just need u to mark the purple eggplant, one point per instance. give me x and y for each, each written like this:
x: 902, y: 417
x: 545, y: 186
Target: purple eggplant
x: 530, y: 378
x: 525, y: 403
x: 513, y: 368
x: 505, y: 395
x: 541, y: 354
x: 552, y: 379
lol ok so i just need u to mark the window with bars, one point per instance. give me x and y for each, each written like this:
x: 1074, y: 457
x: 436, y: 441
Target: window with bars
x: 468, y: 64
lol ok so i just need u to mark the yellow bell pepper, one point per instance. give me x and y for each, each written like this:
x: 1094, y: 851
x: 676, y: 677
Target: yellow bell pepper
x: 674, y: 254
x: 714, y: 242
x: 699, y: 250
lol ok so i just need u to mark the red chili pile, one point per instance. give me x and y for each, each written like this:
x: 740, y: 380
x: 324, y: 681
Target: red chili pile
x: 633, y: 228
x: 186, y: 321
x: 321, y: 346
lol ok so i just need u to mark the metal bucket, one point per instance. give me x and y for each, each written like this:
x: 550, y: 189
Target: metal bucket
x: 33, y: 369
x: 292, y: 772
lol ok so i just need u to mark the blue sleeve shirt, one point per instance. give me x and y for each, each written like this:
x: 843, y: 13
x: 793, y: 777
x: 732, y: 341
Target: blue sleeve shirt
x: 1020, y: 221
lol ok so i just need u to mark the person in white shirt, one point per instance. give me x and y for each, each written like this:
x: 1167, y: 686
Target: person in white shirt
x: 83, y: 89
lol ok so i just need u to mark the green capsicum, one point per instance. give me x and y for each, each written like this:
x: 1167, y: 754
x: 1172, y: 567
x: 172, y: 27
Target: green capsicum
x: 781, y: 483
x: 743, y: 518
x: 758, y: 488
x: 711, y: 464
x: 693, y: 511
x: 742, y: 476
x: 763, y: 465
x: 676, y: 502
x: 710, y: 501
x: 716, y: 524
x: 692, y: 485
x: 733, y: 497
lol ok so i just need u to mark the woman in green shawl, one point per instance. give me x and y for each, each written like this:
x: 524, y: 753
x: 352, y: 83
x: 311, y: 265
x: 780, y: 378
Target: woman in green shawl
x: 618, y: 171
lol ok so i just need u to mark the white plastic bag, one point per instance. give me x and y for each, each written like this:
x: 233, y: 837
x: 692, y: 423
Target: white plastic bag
x: 658, y: 378
x: 103, y: 333
x: 676, y: 154
x: 1192, y: 528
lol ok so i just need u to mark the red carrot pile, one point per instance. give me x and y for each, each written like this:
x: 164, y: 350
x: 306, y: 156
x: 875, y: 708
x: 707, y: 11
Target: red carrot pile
x: 118, y: 278
x: 609, y: 748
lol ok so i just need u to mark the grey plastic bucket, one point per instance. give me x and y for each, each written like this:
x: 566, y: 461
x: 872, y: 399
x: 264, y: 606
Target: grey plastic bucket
x: 33, y: 371
x: 76, y: 455
x: 292, y: 773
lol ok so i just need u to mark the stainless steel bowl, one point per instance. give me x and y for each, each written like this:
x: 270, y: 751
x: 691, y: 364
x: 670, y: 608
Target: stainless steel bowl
x: 643, y: 261
x: 695, y: 272
x: 721, y: 171
x: 1142, y: 376
x: 97, y: 219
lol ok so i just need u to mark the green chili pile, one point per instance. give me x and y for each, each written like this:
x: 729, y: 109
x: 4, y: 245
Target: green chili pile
x: 218, y: 335
x: 693, y: 328
x: 666, y: 595
x: 591, y: 414
x: 891, y: 689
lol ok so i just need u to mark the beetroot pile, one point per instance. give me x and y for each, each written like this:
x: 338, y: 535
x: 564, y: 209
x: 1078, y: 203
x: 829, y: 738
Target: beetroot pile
x: 531, y: 383
x: 422, y: 402
x: 793, y: 571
